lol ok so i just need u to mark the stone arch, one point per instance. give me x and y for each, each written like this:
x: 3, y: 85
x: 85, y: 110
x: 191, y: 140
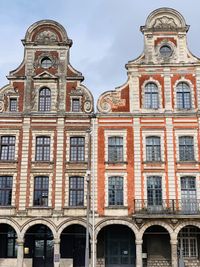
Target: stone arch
x: 33, y: 222
x: 104, y: 223
x: 154, y: 223
x: 13, y: 224
x: 166, y: 19
x: 182, y: 225
x: 67, y: 223
x: 47, y: 27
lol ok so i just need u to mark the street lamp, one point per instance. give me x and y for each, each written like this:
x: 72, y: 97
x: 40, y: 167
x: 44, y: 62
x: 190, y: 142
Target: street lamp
x: 87, y: 220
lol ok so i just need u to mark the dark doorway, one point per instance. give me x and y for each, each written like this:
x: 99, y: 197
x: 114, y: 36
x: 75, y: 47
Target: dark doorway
x: 39, y: 242
x: 72, y: 246
x: 116, y: 246
x: 156, y: 246
x: 8, y: 246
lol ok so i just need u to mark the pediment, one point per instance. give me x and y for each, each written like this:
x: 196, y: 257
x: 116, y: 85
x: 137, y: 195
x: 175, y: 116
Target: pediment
x: 45, y: 75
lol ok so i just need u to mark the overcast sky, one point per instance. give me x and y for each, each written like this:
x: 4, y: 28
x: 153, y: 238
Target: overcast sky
x: 105, y: 33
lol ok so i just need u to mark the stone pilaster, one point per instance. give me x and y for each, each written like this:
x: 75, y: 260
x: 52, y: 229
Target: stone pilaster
x: 174, y: 257
x: 56, y: 252
x: 20, y: 252
x: 138, y: 252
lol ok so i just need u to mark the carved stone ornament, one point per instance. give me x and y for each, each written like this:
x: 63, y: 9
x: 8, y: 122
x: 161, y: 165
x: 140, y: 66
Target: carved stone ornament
x: 1, y: 106
x: 87, y: 106
x: 76, y: 92
x: 111, y: 100
x: 46, y: 37
x: 165, y: 23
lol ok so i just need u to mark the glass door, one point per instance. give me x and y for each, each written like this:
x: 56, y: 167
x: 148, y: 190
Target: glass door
x: 188, y: 195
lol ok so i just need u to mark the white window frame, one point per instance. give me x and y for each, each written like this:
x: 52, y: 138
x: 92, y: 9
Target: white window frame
x: 124, y: 176
x: 116, y: 133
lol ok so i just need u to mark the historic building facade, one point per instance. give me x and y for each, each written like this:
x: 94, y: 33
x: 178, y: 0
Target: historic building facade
x: 45, y: 125
x: 148, y: 161
x: 137, y: 156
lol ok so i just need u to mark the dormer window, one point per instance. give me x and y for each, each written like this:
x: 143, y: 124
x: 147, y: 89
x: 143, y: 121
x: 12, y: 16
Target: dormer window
x: 75, y: 105
x: 46, y: 63
x: 13, y: 105
x: 165, y: 51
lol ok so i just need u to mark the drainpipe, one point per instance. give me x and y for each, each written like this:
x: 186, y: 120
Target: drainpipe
x: 93, y: 194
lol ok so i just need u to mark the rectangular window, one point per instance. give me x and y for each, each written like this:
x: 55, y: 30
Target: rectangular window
x: 186, y: 148
x: 188, y: 195
x: 187, y: 242
x: 7, y: 148
x: 76, y: 191
x: 115, y: 149
x: 115, y: 191
x: 41, y: 190
x: 5, y: 190
x: 75, y: 104
x: 77, y: 148
x: 153, y: 151
x: 13, y: 104
x: 154, y: 191
x: 42, y: 148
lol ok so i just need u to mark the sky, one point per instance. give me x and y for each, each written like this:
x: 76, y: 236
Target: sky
x: 105, y: 33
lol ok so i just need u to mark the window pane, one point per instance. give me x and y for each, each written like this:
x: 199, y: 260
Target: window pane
x: 154, y: 190
x: 76, y: 191
x: 5, y: 190
x: 115, y: 191
x: 77, y: 148
x: 42, y: 148
x: 45, y: 99
x: 41, y: 188
x: 186, y: 148
x: 7, y: 148
x: 153, y: 150
x: 75, y: 105
x: 183, y: 96
x: 13, y: 104
x: 115, y: 149
x: 151, y: 99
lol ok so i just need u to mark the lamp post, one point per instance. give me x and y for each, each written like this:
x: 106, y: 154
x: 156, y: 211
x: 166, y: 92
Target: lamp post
x: 88, y: 173
x: 87, y: 221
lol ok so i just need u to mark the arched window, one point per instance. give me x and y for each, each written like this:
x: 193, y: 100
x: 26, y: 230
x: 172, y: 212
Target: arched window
x: 151, y: 99
x: 45, y: 99
x: 183, y: 96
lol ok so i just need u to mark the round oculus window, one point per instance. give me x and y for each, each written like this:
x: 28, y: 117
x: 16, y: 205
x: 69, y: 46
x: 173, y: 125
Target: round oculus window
x: 46, y: 63
x: 165, y: 51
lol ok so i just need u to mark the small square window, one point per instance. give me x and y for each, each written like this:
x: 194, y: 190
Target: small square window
x: 76, y: 105
x: 13, y: 104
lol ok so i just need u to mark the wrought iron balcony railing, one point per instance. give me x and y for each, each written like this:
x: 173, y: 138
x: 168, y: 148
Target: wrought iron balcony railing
x: 167, y: 206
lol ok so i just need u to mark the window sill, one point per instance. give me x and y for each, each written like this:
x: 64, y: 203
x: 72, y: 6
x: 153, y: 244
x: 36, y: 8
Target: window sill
x: 187, y: 162
x: 7, y: 207
x: 74, y: 207
x: 153, y: 162
x: 115, y: 162
x: 116, y: 207
x: 40, y: 207
x: 8, y: 161
x: 42, y: 162
x: 76, y: 162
